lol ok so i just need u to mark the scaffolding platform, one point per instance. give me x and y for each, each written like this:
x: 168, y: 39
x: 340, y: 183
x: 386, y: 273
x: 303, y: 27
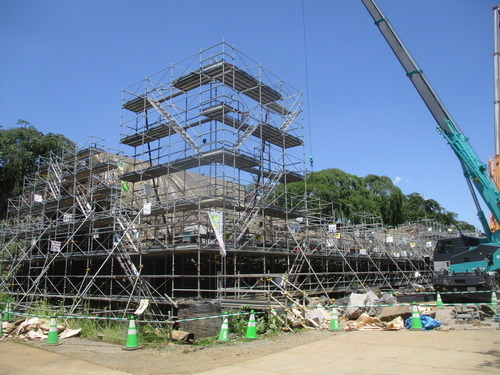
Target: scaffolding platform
x: 262, y: 130
x: 85, y: 153
x: 235, y: 78
x: 155, y: 133
x: 141, y: 104
x: 221, y: 156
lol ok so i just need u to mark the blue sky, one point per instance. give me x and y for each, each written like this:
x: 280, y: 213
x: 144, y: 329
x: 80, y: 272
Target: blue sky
x: 64, y: 64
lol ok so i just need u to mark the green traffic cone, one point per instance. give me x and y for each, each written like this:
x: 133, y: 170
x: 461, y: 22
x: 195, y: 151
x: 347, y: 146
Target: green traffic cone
x: 494, y: 300
x: 224, y: 330
x: 439, y: 302
x: 1, y: 325
x: 132, y: 340
x: 334, y: 323
x: 7, y: 315
x: 53, y: 336
x: 251, y: 333
x: 416, y: 323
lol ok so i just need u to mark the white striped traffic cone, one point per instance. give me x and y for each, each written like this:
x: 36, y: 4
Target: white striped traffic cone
x: 132, y: 339
x: 416, y: 323
x: 224, y: 330
x: 53, y: 336
x: 251, y: 332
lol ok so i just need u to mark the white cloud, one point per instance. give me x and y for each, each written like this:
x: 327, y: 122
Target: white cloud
x: 397, y: 180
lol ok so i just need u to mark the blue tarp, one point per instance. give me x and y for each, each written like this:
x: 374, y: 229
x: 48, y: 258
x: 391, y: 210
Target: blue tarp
x: 427, y: 323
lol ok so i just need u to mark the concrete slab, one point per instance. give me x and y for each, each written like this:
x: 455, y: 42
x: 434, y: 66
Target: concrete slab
x: 19, y: 359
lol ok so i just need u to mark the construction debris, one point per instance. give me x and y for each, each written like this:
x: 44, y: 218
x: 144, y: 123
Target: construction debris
x: 317, y: 317
x: 369, y: 303
x: 182, y: 336
x: 389, y: 313
x: 33, y: 329
x: 366, y: 322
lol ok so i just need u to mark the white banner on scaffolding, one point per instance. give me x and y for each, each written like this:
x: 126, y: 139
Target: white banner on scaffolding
x: 67, y: 218
x: 37, y: 198
x: 142, y: 307
x: 55, y: 246
x: 146, y: 209
x: 216, y: 220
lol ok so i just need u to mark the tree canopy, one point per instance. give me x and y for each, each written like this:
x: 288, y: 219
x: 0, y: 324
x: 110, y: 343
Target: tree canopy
x: 350, y: 195
x: 20, y: 151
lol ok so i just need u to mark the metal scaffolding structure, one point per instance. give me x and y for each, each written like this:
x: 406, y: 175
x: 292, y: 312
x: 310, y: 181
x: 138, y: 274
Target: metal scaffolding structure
x: 194, y: 210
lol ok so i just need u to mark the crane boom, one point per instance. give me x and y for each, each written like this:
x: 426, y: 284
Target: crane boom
x: 495, y: 161
x: 474, y: 170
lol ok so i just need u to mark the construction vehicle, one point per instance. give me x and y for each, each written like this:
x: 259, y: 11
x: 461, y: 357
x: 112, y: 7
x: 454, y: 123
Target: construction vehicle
x: 462, y: 264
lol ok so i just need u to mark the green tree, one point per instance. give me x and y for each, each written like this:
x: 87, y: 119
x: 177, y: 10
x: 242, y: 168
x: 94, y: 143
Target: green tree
x: 348, y: 196
x: 463, y: 225
x: 390, y: 197
x: 20, y: 150
x: 413, y: 208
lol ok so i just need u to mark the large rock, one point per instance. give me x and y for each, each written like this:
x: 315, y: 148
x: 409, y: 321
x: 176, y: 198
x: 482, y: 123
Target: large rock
x: 356, y: 305
x: 376, y: 290
x: 391, y: 312
x: 384, y: 299
x: 371, y: 299
x: 316, y: 317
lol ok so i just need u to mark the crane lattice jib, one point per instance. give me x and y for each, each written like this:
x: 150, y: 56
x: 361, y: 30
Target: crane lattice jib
x: 474, y: 169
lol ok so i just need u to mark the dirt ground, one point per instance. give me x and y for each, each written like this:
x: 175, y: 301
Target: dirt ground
x: 185, y: 359
x: 180, y: 359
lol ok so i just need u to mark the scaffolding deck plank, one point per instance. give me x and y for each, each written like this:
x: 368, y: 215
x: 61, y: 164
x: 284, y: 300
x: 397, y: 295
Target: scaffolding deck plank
x: 286, y: 176
x: 68, y: 201
x: 141, y: 104
x: 221, y: 156
x: 154, y: 133
x: 221, y: 201
x: 85, y: 153
x: 147, y: 136
x: 266, y: 131
x: 235, y: 78
x: 84, y: 173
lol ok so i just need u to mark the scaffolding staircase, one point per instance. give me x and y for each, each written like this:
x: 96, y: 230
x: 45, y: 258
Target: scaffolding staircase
x: 83, y: 202
x: 172, y: 122
x: 258, y: 202
x: 122, y: 245
x: 54, y: 180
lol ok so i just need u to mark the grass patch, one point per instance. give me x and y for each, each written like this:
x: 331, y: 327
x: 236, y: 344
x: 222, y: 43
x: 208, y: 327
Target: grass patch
x: 114, y: 332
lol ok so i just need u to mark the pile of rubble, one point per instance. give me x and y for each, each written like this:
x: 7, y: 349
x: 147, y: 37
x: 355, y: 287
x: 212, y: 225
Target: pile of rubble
x: 359, y: 311
x: 34, y: 329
